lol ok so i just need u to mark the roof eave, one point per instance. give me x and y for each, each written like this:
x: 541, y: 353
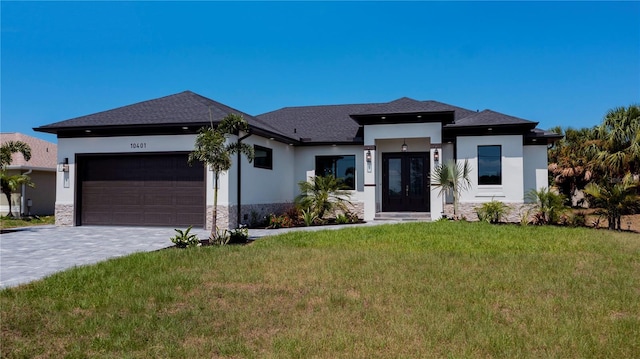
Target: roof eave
x: 403, y: 117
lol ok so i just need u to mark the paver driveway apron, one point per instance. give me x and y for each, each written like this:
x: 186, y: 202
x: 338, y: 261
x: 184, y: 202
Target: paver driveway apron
x: 36, y: 252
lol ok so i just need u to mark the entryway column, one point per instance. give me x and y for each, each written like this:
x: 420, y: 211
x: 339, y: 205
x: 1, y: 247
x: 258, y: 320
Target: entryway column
x: 369, y: 182
x: 436, y: 199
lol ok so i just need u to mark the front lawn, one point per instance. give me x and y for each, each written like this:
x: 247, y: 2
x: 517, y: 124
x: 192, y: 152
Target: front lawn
x: 416, y: 290
x: 11, y: 222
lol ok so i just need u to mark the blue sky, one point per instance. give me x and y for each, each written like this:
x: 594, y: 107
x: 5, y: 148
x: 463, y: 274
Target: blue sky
x: 557, y: 63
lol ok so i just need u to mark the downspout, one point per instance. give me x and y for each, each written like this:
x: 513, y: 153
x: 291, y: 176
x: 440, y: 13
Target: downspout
x: 23, y: 192
x: 238, y: 209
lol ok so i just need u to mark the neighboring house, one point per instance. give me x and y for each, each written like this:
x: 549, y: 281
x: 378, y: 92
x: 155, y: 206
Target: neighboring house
x: 128, y: 166
x: 41, y: 168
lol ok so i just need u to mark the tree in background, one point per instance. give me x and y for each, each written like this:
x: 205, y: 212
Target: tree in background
x: 211, y: 148
x: 615, y: 199
x: 602, y: 153
x: 619, y: 143
x: 10, y: 184
x: 571, y: 160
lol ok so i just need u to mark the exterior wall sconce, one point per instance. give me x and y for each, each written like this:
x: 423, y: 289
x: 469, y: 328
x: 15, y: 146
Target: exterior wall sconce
x: 404, y: 146
x: 64, y: 165
x: 368, y: 156
x: 436, y: 156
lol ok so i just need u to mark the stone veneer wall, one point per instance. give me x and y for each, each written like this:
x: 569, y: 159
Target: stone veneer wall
x: 64, y: 214
x: 468, y: 211
x: 357, y: 208
x: 227, y: 215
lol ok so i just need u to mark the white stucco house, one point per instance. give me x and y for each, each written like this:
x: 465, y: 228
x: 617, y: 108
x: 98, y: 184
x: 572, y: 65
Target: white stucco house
x: 128, y: 166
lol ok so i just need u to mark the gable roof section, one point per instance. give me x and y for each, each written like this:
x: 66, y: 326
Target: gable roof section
x: 181, y: 109
x: 43, y: 153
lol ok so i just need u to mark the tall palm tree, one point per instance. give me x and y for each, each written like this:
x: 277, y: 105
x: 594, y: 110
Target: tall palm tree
x: 452, y: 178
x: 620, y: 142
x: 615, y: 199
x: 211, y: 147
x: 9, y: 148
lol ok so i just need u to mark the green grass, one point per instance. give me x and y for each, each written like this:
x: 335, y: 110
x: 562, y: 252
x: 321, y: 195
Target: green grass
x: 418, y: 290
x: 8, y: 222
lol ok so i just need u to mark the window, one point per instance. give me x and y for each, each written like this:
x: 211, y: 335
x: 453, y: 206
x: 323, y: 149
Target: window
x: 341, y: 167
x: 489, y: 165
x: 263, y: 157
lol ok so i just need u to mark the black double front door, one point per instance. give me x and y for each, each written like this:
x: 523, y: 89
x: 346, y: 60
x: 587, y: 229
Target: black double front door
x: 405, y: 182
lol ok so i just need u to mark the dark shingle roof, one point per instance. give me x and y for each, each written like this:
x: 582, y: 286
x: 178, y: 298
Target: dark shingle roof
x: 330, y: 123
x: 488, y: 118
x: 181, y: 108
x: 309, y: 124
x: 407, y: 105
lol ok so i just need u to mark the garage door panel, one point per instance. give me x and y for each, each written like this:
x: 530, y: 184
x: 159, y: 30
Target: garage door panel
x: 127, y: 218
x: 160, y: 219
x: 145, y: 189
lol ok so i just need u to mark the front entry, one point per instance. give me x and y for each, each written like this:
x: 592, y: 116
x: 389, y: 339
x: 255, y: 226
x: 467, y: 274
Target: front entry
x: 405, y: 182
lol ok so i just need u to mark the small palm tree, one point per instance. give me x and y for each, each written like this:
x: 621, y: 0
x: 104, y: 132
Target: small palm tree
x: 549, y: 204
x: 322, y: 195
x: 211, y: 147
x: 452, y: 178
x: 615, y: 199
x: 10, y: 184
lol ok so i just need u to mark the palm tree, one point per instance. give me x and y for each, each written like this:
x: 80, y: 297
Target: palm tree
x: 620, y: 142
x: 211, y: 147
x: 323, y: 194
x: 550, y: 205
x: 9, y: 148
x: 10, y: 184
x: 572, y: 160
x: 452, y: 178
x: 615, y: 199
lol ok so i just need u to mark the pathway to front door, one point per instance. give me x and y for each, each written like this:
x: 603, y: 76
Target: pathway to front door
x: 405, y: 182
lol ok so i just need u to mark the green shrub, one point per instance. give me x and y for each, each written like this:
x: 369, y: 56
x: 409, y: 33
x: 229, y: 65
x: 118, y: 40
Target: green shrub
x: 239, y: 235
x: 342, y: 219
x: 492, y: 212
x: 184, y: 239
x: 221, y: 238
x: 309, y: 217
x: 579, y: 219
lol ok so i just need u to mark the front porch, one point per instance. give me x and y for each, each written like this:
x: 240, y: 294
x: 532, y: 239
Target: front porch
x: 403, y: 216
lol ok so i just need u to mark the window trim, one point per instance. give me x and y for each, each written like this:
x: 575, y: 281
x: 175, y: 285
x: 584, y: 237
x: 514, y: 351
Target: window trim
x: 269, y: 157
x: 499, y: 158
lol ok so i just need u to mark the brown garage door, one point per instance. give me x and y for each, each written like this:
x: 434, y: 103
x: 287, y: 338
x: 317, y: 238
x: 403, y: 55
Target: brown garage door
x: 141, y: 190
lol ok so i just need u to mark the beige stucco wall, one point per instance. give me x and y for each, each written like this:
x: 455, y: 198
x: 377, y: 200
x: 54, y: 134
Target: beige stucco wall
x: 43, y: 195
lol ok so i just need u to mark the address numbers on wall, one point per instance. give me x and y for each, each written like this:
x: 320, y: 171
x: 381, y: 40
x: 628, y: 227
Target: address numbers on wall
x: 137, y: 145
